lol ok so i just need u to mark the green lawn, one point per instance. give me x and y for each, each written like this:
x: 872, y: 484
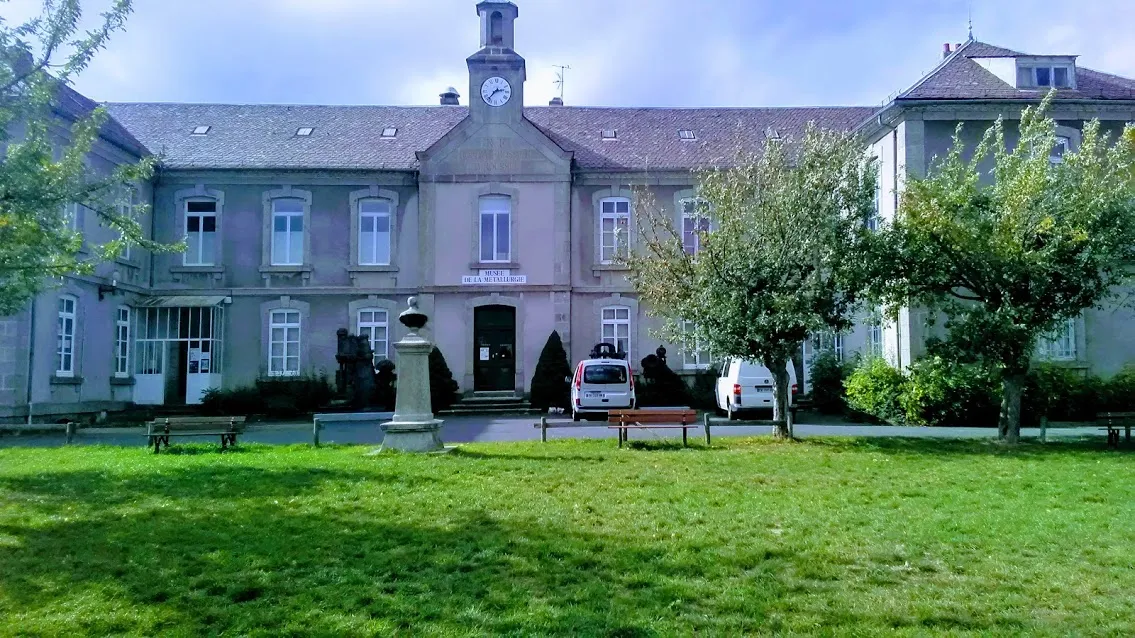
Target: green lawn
x: 571, y: 538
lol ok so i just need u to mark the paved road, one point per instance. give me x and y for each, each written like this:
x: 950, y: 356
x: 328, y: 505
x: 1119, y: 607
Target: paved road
x: 470, y: 428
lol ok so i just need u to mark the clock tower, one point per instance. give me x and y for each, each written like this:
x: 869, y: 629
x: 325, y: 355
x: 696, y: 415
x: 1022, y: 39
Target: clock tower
x: 496, y: 72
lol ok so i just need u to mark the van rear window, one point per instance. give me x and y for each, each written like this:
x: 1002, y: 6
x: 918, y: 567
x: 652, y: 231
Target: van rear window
x: 604, y: 374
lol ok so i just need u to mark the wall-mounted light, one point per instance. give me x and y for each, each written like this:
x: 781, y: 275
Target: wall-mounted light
x: 111, y: 288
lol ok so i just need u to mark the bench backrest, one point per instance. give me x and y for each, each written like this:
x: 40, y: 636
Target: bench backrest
x: 1115, y: 416
x: 660, y: 416
x: 191, y: 423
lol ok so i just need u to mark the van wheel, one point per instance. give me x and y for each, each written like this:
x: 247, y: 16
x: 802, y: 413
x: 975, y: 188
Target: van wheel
x: 729, y: 414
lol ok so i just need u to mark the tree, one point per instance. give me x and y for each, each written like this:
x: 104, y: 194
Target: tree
x: 443, y: 389
x: 41, y: 176
x: 1009, y: 254
x: 765, y: 269
x: 551, y: 385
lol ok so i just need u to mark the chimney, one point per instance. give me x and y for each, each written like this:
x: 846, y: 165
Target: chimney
x: 945, y: 50
x: 957, y: 46
x: 556, y: 101
x: 450, y: 97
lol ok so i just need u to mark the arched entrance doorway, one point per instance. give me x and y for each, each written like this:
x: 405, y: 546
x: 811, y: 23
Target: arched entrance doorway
x: 494, y: 348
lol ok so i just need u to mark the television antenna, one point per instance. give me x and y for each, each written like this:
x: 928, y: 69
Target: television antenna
x: 559, y: 81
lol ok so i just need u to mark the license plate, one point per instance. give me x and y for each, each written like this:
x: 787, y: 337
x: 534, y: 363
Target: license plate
x: 593, y: 395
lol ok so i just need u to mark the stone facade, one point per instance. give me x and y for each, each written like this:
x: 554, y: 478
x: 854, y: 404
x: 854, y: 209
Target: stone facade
x: 249, y: 301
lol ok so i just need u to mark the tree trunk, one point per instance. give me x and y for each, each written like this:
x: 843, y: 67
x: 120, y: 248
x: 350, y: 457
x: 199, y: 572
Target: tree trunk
x: 781, y: 386
x: 1009, y: 426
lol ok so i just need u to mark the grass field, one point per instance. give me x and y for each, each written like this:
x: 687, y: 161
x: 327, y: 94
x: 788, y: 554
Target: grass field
x: 571, y: 538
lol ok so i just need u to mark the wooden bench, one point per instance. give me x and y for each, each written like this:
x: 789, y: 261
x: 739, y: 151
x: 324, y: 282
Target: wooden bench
x: 159, y: 431
x: 652, y: 418
x: 1113, y: 423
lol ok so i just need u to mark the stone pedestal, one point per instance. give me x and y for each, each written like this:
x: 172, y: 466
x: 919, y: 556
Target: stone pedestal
x: 414, y: 428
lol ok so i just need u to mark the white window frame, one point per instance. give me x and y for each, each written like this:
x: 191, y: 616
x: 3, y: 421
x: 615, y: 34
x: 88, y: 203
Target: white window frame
x: 368, y: 327
x: 289, y: 217
x: 875, y: 338
x: 611, y: 251
x: 125, y: 206
x: 700, y: 359
x: 1061, y: 344
x: 284, y: 319
x: 68, y: 317
x: 610, y: 321
x: 690, y: 211
x: 496, y: 215
x: 825, y: 341
x: 203, y: 235
x: 374, y: 216
x: 122, y: 342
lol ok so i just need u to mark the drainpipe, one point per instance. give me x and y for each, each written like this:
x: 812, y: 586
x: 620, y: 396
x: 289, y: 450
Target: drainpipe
x: 31, y: 356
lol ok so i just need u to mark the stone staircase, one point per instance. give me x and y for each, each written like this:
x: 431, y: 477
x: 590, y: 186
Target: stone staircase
x: 489, y: 404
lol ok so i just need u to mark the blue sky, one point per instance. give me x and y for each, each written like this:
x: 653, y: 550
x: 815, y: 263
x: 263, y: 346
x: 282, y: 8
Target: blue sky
x: 622, y: 52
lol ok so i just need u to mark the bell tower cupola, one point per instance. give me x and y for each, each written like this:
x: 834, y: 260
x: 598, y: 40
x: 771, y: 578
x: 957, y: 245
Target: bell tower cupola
x: 497, y: 19
x: 496, y: 71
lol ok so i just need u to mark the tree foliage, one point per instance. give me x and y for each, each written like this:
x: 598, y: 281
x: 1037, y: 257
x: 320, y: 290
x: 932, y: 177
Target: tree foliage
x: 770, y: 267
x: 1009, y: 254
x: 44, y: 169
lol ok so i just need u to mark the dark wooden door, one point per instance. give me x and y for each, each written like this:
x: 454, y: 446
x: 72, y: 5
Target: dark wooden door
x: 494, y: 348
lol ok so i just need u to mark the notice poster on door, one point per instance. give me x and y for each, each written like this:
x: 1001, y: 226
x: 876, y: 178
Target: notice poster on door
x: 194, y: 360
x: 484, y: 354
x: 204, y: 365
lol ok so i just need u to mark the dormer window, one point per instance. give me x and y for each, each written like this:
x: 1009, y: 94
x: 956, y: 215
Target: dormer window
x: 1045, y: 76
x: 609, y: 134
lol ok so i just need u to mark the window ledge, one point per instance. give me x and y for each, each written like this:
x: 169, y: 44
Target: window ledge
x: 122, y: 381
x: 269, y: 270
x: 196, y: 269
x: 58, y: 380
x: 609, y: 267
x: 372, y: 268
x: 494, y: 265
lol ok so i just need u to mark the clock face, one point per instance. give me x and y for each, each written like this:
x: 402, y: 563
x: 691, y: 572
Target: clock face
x: 496, y: 91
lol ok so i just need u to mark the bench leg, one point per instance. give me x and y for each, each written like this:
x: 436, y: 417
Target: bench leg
x: 684, y: 443
x: 157, y: 442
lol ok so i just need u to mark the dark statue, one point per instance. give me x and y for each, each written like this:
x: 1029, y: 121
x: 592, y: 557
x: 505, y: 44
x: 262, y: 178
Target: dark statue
x: 355, y: 377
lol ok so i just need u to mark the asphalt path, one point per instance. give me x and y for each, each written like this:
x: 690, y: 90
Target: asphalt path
x: 466, y: 429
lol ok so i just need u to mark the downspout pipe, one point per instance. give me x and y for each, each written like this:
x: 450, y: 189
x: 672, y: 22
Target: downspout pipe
x: 31, y: 356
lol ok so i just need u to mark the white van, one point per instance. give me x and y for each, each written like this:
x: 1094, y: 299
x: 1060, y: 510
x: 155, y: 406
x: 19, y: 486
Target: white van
x: 600, y: 385
x: 745, y: 385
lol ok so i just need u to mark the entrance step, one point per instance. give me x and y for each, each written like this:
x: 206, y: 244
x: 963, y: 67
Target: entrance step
x: 489, y: 403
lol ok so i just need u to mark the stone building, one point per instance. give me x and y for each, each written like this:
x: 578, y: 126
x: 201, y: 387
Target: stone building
x: 506, y: 221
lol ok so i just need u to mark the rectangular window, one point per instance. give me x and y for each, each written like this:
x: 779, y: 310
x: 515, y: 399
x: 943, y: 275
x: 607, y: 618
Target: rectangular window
x: 122, y: 343
x: 374, y: 232
x: 1060, y: 76
x: 495, y: 229
x: 1043, y: 76
x: 200, y: 233
x: 827, y: 342
x: 698, y: 357
x: 65, y: 342
x: 287, y: 232
x: 695, y: 223
x: 614, y: 228
x: 373, y: 324
x: 617, y: 328
x: 284, y: 343
x: 1059, y: 149
x: 875, y: 339
x: 1061, y: 344
x: 125, y: 207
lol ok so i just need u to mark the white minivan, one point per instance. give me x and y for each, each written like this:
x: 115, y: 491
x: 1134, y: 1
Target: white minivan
x: 600, y: 385
x: 745, y: 385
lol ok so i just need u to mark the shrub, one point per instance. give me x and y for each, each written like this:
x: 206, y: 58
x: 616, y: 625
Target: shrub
x: 1060, y: 394
x: 385, y: 394
x: 1118, y: 392
x: 306, y: 394
x: 827, y: 375
x: 875, y: 388
x: 443, y: 389
x: 943, y: 392
x: 551, y: 383
x: 659, y: 386
x: 703, y: 390
x: 244, y: 401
